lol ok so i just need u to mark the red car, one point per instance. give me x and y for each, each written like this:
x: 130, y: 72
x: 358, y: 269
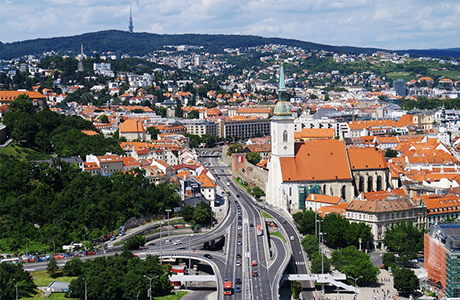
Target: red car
x: 255, y: 274
x: 254, y: 263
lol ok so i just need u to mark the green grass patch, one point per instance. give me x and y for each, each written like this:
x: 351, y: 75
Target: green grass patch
x: 24, y: 153
x: 53, y: 296
x: 265, y: 215
x: 455, y: 75
x: 179, y: 295
x: 403, y: 75
x: 278, y: 234
x: 43, y: 278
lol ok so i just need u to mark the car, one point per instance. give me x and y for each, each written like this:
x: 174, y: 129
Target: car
x: 178, y: 242
x: 222, y: 170
x: 251, y: 225
x: 238, y: 263
x: 228, y: 183
x: 254, y: 263
x: 238, y: 281
x: 239, y: 234
x: 239, y: 227
x: 284, y: 221
x: 236, y: 201
x: 239, y: 207
x: 239, y: 242
x: 238, y: 289
x: 292, y: 237
x: 255, y: 273
x: 238, y: 255
x: 237, y: 195
x: 239, y: 211
x: 239, y: 223
x: 208, y: 255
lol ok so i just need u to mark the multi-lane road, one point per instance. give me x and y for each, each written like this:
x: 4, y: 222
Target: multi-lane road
x: 246, y: 259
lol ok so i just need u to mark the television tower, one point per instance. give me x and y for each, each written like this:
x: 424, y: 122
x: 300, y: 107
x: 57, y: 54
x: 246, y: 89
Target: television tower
x: 131, y: 26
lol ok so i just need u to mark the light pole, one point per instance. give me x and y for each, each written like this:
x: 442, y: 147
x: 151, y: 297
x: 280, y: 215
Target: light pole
x: 68, y: 296
x: 137, y: 297
x: 54, y: 248
x: 169, y: 239
x: 319, y: 233
x: 316, y: 226
x: 86, y: 293
x: 356, y: 282
x: 16, y: 288
x: 27, y: 240
x: 150, y: 286
x: 161, y: 255
x: 322, y: 258
x: 189, y: 255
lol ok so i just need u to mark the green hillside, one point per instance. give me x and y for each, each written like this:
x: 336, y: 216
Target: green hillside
x: 122, y: 42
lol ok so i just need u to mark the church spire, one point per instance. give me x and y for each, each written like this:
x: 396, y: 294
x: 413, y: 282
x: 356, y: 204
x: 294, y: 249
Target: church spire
x: 282, y: 86
x: 131, y: 26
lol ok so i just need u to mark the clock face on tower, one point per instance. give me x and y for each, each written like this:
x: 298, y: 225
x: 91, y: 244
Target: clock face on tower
x: 285, y: 147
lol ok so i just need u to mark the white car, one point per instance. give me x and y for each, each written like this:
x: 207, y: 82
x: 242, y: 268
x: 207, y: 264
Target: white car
x: 238, y: 263
x: 178, y: 242
x: 292, y: 237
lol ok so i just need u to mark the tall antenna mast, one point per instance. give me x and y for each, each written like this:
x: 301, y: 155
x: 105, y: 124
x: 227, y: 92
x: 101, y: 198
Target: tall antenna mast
x: 131, y: 26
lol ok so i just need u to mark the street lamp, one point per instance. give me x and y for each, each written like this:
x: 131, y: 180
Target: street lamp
x: 54, y: 248
x: 356, y: 282
x: 16, y: 288
x: 27, y: 245
x: 322, y: 258
x: 161, y: 255
x: 86, y: 293
x: 189, y: 255
x: 319, y: 233
x: 68, y: 296
x: 169, y: 239
x: 150, y: 286
x: 137, y: 297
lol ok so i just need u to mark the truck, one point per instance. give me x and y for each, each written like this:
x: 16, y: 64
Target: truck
x: 228, y: 290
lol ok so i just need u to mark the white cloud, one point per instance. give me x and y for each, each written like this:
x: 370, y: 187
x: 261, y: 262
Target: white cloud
x: 392, y: 24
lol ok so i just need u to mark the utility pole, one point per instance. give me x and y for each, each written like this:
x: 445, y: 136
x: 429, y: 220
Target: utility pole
x: 356, y: 282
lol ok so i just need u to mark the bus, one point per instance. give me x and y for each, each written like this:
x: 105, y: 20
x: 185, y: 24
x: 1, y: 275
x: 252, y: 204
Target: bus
x: 259, y: 229
x: 228, y: 290
x: 10, y: 260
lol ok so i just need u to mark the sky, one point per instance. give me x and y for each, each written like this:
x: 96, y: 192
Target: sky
x: 387, y: 24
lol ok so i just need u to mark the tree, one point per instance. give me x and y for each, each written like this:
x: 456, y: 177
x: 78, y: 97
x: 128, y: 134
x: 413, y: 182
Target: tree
x: 405, y: 281
x: 73, y: 267
x: 104, y: 119
x: 52, y: 266
x: 234, y: 148
x: 317, y: 262
x: 389, y: 260
x: 253, y: 157
x: 403, y: 237
x: 355, y: 263
x: 134, y: 243
x: 310, y: 244
x: 21, y: 104
x: 305, y: 221
x: 296, y: 289
x: 203, y: 213
x: 187, y: 213
x: 153, y: 131
x: 391, y: 153
x: 194, y: 114
x: 11, y: 274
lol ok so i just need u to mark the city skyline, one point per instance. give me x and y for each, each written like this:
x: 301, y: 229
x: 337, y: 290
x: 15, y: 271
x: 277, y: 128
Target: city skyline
x: 389, y: 25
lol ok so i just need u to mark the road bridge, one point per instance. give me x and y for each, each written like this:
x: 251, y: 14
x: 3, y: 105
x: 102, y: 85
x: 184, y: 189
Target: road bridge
x: 324, y: 278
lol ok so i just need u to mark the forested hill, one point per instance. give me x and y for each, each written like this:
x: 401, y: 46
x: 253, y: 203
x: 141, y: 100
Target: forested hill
x: 122, y: 42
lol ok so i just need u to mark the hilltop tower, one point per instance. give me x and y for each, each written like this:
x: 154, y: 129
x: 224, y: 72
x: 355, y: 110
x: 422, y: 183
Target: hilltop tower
x: 80, y: 60
x: 131, y: 26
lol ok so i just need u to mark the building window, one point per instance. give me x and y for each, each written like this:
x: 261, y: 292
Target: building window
x: 285, y: 137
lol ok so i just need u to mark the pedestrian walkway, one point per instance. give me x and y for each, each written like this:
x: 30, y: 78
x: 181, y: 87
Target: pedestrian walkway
x: 383, y: 290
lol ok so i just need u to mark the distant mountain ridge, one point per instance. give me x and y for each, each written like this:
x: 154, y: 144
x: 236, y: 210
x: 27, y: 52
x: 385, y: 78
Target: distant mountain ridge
x: 140, y: 44
x: 143, y: 43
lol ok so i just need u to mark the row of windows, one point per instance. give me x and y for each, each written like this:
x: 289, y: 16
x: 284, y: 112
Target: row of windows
x: 388, y: 216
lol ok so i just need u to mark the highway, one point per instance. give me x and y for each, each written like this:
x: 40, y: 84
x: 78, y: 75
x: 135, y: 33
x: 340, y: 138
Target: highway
x: 242, y: 245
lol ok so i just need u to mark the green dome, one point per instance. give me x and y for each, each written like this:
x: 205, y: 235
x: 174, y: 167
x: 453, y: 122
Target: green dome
x: 282, y: 110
